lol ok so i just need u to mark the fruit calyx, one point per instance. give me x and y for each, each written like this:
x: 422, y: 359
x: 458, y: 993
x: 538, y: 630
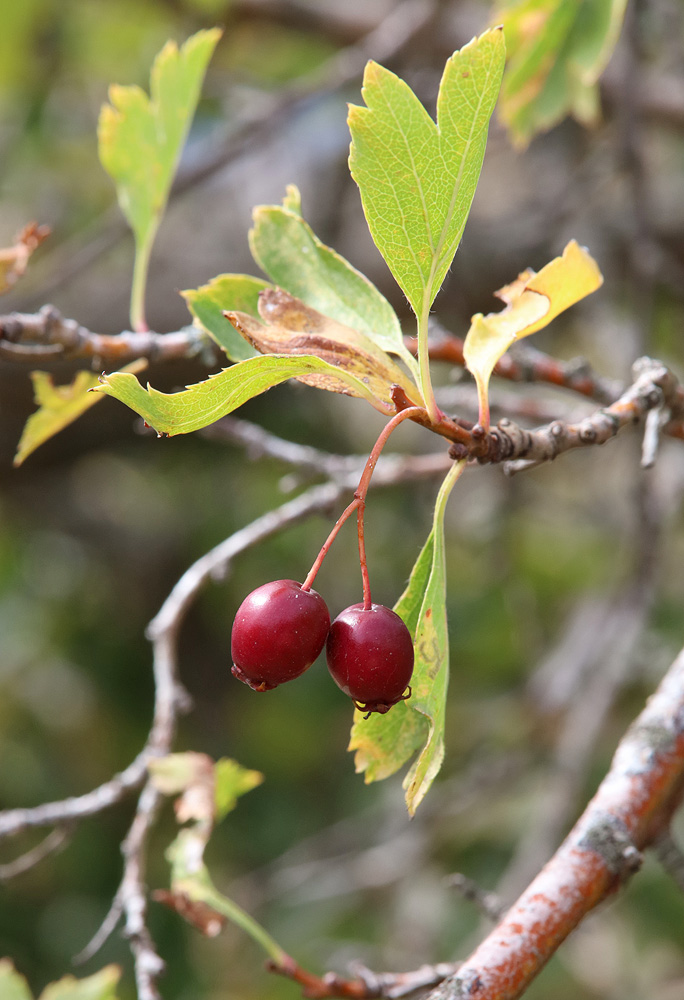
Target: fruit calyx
x: 370, y: 656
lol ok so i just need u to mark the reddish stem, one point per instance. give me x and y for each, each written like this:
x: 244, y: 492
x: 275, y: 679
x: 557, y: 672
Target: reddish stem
x: 359, y: 503
x: 346, y: 513
x: 362, y: 557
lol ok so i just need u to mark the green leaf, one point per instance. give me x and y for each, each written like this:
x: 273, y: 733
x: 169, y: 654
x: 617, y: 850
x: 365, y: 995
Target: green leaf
x: 289, y: 252
x: 232, y: 781
x: 140, y: 142
x: 596, y: 34
x: 59, y: 406
x: 201, y: 404
x: 101, y: 986
x: 431, y: 673
x: 12, y: 985
x: 226, y: 293
x: 417, y: 179
x: 194, y: 895
x: 385, y: 742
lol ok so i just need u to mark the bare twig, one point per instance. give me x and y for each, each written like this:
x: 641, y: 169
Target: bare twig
x: 671, y: 856
x: 133, y: 895
x: 46, y: 335
x: 490, y: 904
x: 55, y: 841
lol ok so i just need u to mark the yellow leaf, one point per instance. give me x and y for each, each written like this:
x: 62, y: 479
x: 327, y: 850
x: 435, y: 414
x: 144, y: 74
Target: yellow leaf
x: 532, y: 301
x: 59, y: 406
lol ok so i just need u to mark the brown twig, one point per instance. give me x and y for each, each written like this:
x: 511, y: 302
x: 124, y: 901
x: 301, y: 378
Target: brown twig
x: 526, y: 364
x: 366, y: 985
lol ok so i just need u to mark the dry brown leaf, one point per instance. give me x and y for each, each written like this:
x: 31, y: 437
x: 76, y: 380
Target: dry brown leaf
x: 291, y: 327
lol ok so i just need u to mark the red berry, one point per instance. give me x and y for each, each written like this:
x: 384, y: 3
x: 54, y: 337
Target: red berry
x: 278, y: 632
x: 370, y: 656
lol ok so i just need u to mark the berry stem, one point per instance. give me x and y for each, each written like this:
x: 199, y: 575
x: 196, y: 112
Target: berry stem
x: 346, y: 513
x: 362, y: 557
x: 359, y: 503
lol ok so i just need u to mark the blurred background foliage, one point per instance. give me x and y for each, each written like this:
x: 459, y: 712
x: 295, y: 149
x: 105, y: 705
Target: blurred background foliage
x: 96, y: 527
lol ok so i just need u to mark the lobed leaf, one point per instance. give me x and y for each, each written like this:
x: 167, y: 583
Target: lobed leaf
x: 59, y: 406
x: 141, y: 138
x: 291, y: 327
x: 227, y: 292
x: 417, y: 179
x: 557, y: 52
x: 532, y: 301
x: 199, y: 405
x: 289, y: 252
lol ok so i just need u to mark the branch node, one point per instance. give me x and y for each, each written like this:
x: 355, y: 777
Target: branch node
x: 610, y: 839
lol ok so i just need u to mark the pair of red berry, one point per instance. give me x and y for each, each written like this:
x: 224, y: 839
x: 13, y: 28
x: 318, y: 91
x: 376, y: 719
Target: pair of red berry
x: 280, y: 629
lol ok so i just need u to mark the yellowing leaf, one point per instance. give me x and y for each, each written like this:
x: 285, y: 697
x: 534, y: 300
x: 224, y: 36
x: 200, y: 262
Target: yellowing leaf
x: 59, y: 406
x: 232, y: 781
x: 291, y: 327
x: 532, y: 301
x: 141, y: 138
x: 384, y: 743
x: 557, y: 51
x: 209, y: 790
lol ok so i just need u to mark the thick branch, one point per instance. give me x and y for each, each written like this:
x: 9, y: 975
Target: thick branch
x: 631, y: 807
